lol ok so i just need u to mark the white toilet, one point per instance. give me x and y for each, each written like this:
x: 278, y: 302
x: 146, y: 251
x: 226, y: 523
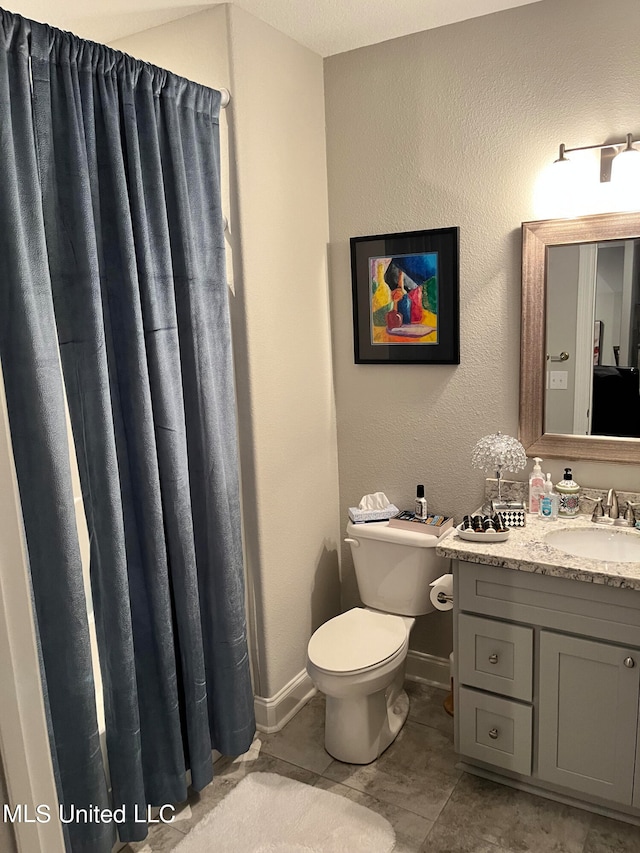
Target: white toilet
x: 358, y: 658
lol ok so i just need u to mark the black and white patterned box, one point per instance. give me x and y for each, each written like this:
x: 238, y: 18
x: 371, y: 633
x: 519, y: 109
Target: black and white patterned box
x: 514, y: 513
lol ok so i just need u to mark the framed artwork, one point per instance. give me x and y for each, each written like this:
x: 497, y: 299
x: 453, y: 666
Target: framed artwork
x: 406, y: 297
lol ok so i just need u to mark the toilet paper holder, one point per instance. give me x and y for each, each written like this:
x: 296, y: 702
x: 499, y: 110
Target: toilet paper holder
x: 442, y: 592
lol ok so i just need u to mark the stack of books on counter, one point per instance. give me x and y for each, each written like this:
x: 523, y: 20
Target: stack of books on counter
x: 433, y: 525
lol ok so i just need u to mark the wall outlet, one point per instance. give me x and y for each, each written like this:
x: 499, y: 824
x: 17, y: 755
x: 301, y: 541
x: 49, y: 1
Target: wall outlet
x: 558, y: 379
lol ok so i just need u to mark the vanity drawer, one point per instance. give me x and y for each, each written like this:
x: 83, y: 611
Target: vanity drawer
x: 495, y: 656
x: 573, y: 606
x: 495, y: 730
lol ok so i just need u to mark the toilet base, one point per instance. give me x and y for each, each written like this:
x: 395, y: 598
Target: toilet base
x: 358, y: 729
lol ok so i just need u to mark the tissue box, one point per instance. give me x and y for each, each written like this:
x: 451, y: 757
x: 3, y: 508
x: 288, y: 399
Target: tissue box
x: 360, y: 516
x: 514, y: 513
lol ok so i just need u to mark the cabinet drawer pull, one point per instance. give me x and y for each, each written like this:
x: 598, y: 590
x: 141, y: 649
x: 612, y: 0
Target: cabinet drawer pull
x: 629, y: 663
x: 493, y: 658
x: 493, y: 734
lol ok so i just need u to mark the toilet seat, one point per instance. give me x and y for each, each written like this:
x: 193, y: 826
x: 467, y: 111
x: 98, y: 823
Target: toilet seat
x: 357, y: 641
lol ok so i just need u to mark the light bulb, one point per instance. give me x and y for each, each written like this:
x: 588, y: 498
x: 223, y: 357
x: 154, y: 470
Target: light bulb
x: 625, y: 178
x: 559, y: 190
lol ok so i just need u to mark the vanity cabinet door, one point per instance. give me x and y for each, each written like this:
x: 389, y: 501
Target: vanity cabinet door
x: 588, y: 712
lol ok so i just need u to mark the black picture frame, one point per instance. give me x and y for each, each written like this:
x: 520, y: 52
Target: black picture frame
x: 416, y: 277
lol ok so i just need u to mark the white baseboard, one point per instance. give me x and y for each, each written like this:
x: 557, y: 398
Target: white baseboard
x: 273, y: 713
x: 428, y: 669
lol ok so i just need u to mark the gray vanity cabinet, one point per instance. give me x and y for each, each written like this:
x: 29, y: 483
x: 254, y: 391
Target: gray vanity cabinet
x: 588, y: 713
x: 547, y: 684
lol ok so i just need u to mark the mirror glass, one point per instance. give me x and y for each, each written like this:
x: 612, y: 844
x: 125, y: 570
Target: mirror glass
x: 579, y: 377
x: 592, y: 339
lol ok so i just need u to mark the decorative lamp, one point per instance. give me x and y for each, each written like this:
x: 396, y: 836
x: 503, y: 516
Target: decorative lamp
x: 497, y: 452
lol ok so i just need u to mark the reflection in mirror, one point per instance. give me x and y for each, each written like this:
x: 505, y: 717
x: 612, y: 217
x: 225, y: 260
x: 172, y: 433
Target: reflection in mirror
x: 592, y: 337
x: 579, y: 390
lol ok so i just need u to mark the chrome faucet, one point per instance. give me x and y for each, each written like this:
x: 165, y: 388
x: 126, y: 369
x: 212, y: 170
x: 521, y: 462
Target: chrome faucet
x: 624, y: 519
x: 612, y: 508
x: 609, y: 512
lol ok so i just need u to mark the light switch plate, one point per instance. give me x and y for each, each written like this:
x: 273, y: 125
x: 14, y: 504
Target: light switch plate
x: 558, y: 379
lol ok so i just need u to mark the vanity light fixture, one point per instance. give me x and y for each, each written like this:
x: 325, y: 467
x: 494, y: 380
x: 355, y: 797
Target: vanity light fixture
x: 619, y: 161
x: 497, y: 452
x: 576, y: 186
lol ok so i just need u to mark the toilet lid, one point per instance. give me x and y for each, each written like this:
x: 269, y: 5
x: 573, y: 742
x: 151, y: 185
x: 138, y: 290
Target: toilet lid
x: 356, y: 640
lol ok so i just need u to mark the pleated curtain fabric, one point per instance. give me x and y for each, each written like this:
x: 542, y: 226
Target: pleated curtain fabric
x: 112, y: 266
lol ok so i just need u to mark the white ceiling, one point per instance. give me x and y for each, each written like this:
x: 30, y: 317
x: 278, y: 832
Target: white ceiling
x: 325, y: 26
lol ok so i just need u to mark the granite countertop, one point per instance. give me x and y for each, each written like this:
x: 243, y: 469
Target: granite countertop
x: 526, y: 550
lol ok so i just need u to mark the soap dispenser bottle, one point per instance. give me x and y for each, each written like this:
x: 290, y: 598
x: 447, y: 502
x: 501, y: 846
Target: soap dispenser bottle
x: 536, y: 486
x: 569, y: 495
x: 549, y: 502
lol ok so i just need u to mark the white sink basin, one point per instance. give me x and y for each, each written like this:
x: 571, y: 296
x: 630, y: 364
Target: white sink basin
x: 600, y: 543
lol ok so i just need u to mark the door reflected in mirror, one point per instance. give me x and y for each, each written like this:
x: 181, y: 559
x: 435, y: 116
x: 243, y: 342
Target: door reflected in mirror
x: 592, y: 339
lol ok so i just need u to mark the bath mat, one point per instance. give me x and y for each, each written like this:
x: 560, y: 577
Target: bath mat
x: 267, y: 813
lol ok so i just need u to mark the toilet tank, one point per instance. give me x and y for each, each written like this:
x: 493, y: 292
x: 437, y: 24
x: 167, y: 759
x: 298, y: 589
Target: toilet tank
x: 395, y: 567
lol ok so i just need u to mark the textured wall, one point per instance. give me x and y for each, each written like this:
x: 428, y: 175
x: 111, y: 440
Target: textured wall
x: 292, y: 511
x: 277, y: 203
x: 452, y: 127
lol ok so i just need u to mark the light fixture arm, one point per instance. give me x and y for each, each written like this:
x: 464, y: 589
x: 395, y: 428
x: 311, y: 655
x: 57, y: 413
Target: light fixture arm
x: 627, y: 142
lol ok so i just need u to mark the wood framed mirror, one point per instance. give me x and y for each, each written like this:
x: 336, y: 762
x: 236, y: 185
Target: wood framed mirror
x: 580, y: 364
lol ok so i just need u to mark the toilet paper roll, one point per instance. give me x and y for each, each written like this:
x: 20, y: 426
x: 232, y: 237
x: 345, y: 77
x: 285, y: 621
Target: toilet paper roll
x: 442, y: 586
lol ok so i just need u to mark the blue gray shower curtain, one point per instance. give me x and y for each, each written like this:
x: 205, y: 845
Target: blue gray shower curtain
x: 112, y: 266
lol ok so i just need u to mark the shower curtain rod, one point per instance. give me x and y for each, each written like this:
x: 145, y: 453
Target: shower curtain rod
x: 225, y: 97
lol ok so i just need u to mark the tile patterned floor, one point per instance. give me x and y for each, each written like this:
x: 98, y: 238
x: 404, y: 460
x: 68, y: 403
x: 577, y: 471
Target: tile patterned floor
x: 433, y: 807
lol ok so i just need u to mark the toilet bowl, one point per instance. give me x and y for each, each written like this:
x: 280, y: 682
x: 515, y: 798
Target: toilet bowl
x: 358, y: 659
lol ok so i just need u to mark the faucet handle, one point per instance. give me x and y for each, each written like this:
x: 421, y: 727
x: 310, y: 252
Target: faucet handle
x: 598, y: 510
x: 629, y: 514
x: 628, y: 518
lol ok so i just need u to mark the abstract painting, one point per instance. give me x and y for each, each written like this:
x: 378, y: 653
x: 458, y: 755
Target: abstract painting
x: 405, y: 297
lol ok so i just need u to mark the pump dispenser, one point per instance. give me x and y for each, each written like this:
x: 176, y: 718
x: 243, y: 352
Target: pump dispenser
x: 569, y: 492
x: 536, y: 486
x: 549, y: 502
